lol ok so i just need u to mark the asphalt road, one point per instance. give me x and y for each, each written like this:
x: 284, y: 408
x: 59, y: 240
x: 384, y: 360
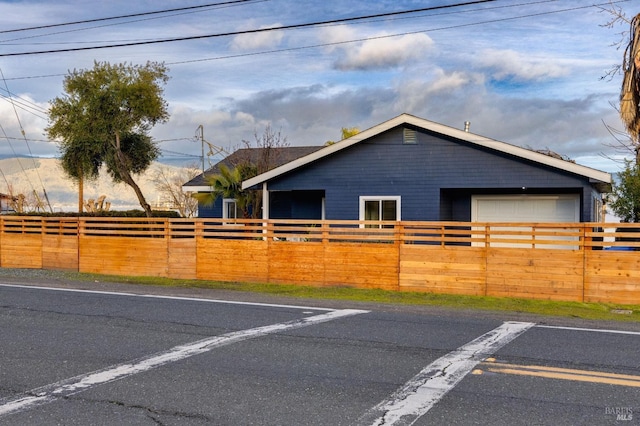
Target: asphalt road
x: 177, y: 357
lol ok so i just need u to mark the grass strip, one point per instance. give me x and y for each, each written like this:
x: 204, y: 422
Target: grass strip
x: 589, y: 311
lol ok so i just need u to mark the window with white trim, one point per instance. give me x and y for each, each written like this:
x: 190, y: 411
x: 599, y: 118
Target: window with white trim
x: 229, y: 208
x: 376, y: 208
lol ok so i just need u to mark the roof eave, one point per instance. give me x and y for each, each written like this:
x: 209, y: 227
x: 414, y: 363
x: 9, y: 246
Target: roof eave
x: 463, y: 135
x: 196, y: 188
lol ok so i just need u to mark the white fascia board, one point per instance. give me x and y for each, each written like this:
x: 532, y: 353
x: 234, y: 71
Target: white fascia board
x: 437, y: 128
x: 511, y: 149
x: 196, y: 189
x: 338, y: 146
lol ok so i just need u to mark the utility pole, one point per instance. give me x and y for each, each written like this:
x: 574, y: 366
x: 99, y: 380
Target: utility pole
x: 201, y: 137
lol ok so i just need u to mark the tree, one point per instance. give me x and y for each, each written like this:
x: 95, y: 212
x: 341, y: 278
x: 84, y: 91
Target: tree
x: 80, y: 163
x: 169, y: 184
x: 626, y: 194
x: 110, y: 109
x: 346, y: 132
x: 249, y: 162
x: 228, y: 184
x: 630, y: 93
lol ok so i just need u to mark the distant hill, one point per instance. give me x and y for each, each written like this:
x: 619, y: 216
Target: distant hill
x: 27, y: 174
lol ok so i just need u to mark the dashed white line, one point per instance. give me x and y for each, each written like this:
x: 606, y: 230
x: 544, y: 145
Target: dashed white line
x: 83, y: 382
x: 424, y: 390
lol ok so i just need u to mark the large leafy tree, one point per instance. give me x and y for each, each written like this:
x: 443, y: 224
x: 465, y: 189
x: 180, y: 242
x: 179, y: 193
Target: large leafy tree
x: 103, y: 118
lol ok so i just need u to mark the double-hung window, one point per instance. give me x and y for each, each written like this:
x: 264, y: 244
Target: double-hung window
x: 379, y: 208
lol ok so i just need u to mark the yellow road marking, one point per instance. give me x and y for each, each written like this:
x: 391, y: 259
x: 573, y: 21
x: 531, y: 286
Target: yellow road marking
x: 564, y: 374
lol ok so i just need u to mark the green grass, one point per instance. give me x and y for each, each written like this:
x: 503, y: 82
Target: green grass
x: 590, y: 311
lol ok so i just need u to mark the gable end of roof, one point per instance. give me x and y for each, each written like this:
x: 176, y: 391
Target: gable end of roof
x: 463, y: 135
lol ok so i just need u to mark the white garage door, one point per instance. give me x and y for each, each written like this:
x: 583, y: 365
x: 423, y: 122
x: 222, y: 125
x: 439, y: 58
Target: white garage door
x: 525, y: 208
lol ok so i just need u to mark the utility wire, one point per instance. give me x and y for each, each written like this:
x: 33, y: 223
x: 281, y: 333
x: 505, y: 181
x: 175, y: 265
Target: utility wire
x: 35, y: 166
x: 6, y: 41
x: 254, y: 31
x: 449, y: 27
x: 367, y: 38
x: 321, y: 23
x: 132, y: 15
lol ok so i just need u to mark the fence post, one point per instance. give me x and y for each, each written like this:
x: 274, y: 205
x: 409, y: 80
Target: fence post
x: 325, y: 232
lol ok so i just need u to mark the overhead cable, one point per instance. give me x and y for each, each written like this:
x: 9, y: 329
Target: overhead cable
x: 254, y: 31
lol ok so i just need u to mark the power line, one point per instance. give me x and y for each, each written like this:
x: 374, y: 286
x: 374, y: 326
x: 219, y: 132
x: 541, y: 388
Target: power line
x: 449, y: 27
x: 362, y: 39
x: 254, y: 31
x: 28, y: 146
x: 132, y: 15
x: 5, y: 42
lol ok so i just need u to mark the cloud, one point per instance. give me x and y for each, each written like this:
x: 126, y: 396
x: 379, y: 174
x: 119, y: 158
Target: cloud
x: 311, y: 115
x: 23, y: 114
x: 259, y: 40
x: 420, y: 90
x: 383, y: 53
x: 509, y: 64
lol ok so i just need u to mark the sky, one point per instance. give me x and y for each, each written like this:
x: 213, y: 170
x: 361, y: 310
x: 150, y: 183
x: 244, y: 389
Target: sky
x: 527, y: 72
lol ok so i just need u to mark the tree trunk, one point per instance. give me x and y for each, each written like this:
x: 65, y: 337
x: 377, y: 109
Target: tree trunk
x: 126, y: 177
x: 80, y: 191
x: 80, y: 195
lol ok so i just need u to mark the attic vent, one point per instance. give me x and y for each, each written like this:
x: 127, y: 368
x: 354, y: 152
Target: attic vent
x: 409, y: 136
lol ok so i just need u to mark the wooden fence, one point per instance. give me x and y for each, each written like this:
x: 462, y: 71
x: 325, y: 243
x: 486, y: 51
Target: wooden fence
x: 587, y: 262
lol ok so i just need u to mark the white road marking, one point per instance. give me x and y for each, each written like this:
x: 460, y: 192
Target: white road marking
x: 424, y: 390
x: 596, y: 330
x: 153, y: 296
x: 68, y: 387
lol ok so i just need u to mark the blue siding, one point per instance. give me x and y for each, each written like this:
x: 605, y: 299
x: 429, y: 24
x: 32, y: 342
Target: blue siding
x: 210, y: 210
x: 435, y: 177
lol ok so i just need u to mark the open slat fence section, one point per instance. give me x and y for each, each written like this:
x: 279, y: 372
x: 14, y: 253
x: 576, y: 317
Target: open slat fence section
x: 537, y: 235
x: 591, y: 262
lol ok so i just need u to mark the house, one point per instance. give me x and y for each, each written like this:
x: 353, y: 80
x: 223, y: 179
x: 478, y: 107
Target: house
x: 412, y: 169
x: 267, y: 157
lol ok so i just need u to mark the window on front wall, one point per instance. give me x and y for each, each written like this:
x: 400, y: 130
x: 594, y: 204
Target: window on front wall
x: 229, y: 208
x: 379, y: 208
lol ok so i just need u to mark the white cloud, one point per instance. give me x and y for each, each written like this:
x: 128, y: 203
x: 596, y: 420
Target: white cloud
x: 259, y: 40
x: 509, y: 64
x: 415, y: 93
x: 448, y: 82
x: 23, y: 113
x: 382, y: 53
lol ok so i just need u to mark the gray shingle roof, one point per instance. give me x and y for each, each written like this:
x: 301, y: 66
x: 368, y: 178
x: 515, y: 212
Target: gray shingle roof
x: 277, y: 157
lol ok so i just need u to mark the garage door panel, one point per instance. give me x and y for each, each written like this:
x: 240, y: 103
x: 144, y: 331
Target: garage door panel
x: 525, y: 208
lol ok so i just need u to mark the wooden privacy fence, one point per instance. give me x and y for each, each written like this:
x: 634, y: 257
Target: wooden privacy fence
x: 587, y: 262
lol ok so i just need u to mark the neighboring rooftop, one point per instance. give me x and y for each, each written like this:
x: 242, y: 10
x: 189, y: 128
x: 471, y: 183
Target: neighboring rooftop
x: 277, y: 157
